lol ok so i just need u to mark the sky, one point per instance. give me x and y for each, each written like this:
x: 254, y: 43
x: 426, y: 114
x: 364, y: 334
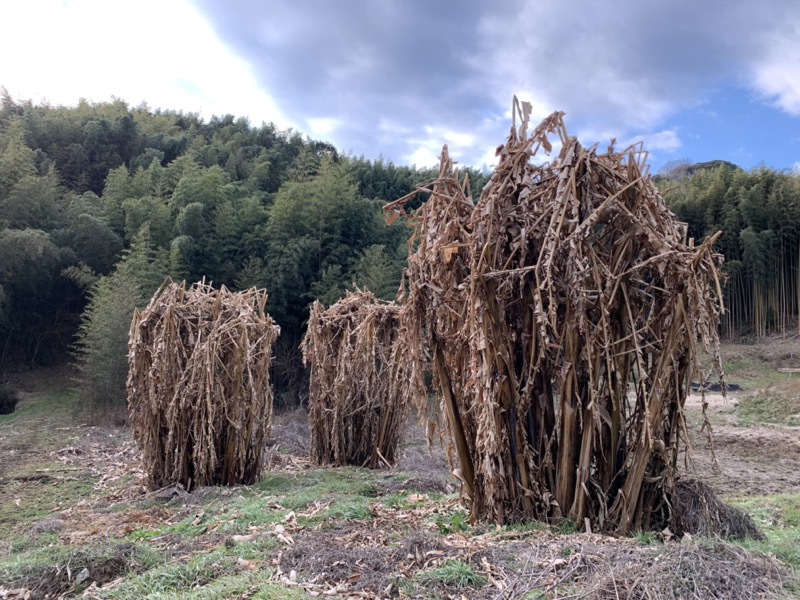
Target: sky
x: 694, y: 80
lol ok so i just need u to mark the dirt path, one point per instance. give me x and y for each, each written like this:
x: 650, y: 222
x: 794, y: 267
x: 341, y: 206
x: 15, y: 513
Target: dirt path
x: 752, y: 460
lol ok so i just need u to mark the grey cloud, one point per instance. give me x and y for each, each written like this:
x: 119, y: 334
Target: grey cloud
x: 632, y: 64
x: 621, y: 68
x: 363, y: 63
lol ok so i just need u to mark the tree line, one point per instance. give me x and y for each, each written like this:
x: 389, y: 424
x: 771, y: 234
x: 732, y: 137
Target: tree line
x: 101, y: 201
x: 758, y: 213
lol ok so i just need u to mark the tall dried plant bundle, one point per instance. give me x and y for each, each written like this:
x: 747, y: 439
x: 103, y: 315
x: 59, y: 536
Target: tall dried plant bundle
x: 199, y: 393
x: 432, y: 315
x: 566, y: 285
x: 359, y: 382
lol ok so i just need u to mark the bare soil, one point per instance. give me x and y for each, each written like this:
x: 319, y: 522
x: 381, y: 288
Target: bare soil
x: 753, y: 460
x: 401, y: 550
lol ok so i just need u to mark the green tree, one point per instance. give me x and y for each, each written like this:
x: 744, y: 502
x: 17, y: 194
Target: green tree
x: 17, y: 160
x: 377, y: 272
x: 101, y: 344
x: 33, y: 202
x: 152, y: 211
x: 35, y: 293
x: 102, y: 340
x: 316, y: 230
x: 94, y: 242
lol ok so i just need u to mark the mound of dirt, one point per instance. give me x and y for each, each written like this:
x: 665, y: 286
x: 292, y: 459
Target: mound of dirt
x: 336, y: 557
x: 721, y: 571
x: 359, y: 561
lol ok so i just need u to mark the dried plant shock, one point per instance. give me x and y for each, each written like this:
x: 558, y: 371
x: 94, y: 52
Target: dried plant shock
x: 359, y: 381
x: 199, y: 393
x: 563, y: 313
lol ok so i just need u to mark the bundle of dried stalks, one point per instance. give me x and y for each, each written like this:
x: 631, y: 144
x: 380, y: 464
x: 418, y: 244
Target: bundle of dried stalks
x: 432, y: 315
x: 568, y: 283
x: 359, y: 382
x: 199, y: 393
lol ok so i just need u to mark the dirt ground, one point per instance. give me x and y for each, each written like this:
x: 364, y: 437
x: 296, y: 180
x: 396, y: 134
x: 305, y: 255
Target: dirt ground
x: 753, y: 460
x: 398, y: 550
x: 756, y: 460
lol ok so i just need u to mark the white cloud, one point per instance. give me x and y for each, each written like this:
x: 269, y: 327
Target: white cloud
x: 322, y: 127
x: 459, y: 139
x: 630, y: 73
x: 425, y: 152
x: 666, y: 141
x: 571, y: 60
x: 777, y: 73
x: 424, y: 156
x: 402, y: 78
x: 163, y: 53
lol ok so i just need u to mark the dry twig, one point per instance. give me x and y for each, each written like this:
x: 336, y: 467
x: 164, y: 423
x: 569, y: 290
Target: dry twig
x: 199, y: 393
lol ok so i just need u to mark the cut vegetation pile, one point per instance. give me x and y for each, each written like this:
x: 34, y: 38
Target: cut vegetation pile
x: 9, y: 398
x: 568, y: 282
x: 360, y: 381
x: 199, y: 393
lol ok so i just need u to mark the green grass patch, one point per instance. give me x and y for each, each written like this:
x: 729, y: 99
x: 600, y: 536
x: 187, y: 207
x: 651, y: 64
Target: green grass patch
x: 27, y: 500
x: 278, y: 484
x: 778, y: 404
x: 751, y: 367
x: 33, y: 486
x: 349, y: 509
x: 198, y: 571
x: 214, y: 574
x: 253, y: 511
x: 523, y: 528
x: 256, y: 586
x: 779, y: 518
x: 452, y: 522
x: 565, y: 527
x: 55, y: 405
x: 56, y: 569
x: 647, y: 538
x: 453, y: 573
x: 394, y: 500
x: 350, y: 488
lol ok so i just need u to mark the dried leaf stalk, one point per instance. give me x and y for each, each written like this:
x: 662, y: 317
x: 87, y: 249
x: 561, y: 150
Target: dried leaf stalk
x: 564, y: 313
x: 359, y: 382
x: 199, y: 393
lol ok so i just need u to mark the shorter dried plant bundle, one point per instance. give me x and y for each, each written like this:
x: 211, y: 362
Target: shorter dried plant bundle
x: 199, y: 393
x: 359, y: 383
x: 563, y: 314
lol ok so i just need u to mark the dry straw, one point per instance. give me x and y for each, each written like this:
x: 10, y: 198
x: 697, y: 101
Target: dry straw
x: 563, y: 313
x: 199, y: 393
x: 359, y: 383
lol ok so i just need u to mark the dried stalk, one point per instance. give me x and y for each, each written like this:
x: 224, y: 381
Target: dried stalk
x: 566, y: 285
x: 199, y: 393
x: 359, y: 382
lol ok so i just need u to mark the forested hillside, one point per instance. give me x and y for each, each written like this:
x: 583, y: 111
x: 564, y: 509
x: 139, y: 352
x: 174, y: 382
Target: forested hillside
x: 759, y: 216
x: 100, y: 202
x: 105, y: 200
